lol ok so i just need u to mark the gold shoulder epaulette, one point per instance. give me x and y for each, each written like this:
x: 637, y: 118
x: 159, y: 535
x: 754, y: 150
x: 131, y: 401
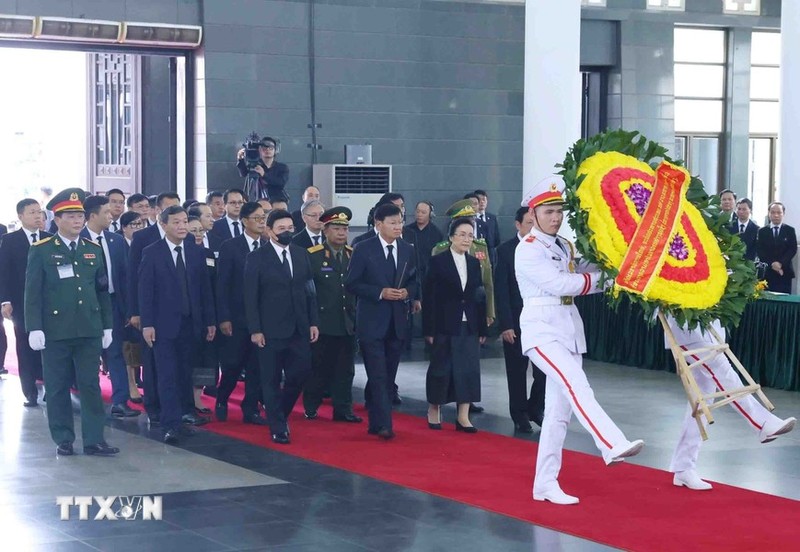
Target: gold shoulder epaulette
x: 348, y: 247
x: 44, y: 240
x: 315, y: 248
x: 87, y: 240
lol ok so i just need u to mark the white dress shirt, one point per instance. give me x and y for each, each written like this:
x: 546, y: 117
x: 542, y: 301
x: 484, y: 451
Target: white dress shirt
x: 279, y: 251
x: 384, y: 243
x: 461, y: 266
x: 174, y: 253
x: 230, y: 222
x: 104, y: 244
x: 250, y: 242
x: 312, y: 236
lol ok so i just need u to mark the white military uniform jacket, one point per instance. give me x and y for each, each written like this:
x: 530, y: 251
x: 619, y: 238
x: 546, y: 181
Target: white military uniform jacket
x: 548, y: 277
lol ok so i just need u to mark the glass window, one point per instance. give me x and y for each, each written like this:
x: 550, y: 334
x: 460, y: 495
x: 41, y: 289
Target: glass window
x: 699, y: 81
x: 764, y: 117
x: 760, y: 176
x: 765, y: 83
x: 704, y: 161
x: 765, y: 49
x: 699, y: 45
x: 698, y: 115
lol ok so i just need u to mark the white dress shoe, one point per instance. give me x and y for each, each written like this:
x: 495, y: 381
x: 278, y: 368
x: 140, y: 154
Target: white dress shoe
x: 556, y: 496
x: 771, y: 431
x: 624, y: 450
x: 690, y: 480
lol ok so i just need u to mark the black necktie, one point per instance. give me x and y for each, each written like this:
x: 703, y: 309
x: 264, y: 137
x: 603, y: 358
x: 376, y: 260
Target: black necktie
x: 180, y: 267
x: 72, y: 246
x: 286, y: 266
x: 255, y: 245
x: 316, y: 240
x: 775, y: 232
x: 390, y: 261
x: 103, y: 251
x: 236, y: 232
x: 561, y: 245
x: 741, y: 228
x: 116, y: 226
x: 339, y: 258
x: 33, y: 238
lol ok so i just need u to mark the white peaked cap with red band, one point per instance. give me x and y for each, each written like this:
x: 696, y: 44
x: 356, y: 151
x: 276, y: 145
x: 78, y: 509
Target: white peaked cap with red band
x: 547, y: 190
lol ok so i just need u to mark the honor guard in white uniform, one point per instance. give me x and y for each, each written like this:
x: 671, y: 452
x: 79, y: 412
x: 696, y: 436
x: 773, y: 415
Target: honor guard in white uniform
x: 552, y: 337
x: 715, y: 374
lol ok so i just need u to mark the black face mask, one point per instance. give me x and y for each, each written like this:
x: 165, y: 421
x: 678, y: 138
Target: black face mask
x: 284, y: 238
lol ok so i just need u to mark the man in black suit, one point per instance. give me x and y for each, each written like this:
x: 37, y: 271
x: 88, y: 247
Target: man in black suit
x: 238, y: 353
x: 141, y: 240
x: 745, y: 228
x: 230, y: 226
x: 382, y: 276
x: 3, y: 338
x: 203, y: 212
x: 777, y: 246
x: 116, y: 202
x: 177, y: 310
x: 481, y: 230
x: 727, y: 204
x: 508, y: 304
x: 312, y: 192
x: 387, y: 198
x: 490, y: 225
x: 311, y: 234
x: 14, y: 262
x: 281, y: 310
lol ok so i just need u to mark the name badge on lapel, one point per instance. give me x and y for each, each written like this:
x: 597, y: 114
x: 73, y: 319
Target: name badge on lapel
x: 210, y: 262
x: 65, y: 271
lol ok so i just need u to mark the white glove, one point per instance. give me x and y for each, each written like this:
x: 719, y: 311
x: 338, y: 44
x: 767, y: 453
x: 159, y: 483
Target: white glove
x: 107, y: 339
x: 36, y: 340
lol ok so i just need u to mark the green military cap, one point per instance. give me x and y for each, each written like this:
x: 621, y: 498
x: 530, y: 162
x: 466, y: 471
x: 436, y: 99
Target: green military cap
x: 67, y: 200
x: 339, y: 216
x: 461, y: 208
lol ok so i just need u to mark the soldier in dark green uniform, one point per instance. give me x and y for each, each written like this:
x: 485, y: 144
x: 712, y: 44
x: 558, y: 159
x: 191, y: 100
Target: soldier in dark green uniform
x: 68, y: 316
x: 479, y: 250
x: 333, y: 355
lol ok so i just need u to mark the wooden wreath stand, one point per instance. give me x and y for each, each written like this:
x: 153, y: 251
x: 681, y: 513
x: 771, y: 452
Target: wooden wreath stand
x: 702, y: 405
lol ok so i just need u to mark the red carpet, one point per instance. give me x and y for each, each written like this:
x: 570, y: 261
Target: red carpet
x: 626, y: 506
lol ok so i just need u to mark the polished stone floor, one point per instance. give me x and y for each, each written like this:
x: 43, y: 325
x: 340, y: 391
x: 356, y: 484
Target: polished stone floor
x: 222, y: 494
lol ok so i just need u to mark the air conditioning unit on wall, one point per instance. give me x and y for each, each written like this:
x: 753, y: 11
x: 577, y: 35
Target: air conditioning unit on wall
x: 358, y: 187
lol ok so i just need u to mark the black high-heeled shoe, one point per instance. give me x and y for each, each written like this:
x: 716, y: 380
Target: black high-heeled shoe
x: 466, y: 429
x: 434, y: 426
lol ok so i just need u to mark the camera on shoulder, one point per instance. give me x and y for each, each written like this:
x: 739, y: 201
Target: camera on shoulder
x: 251, y: 153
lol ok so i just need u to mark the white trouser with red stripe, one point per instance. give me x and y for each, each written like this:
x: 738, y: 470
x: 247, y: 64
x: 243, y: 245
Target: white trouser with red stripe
x: 567, y: 392
x: 716, y: 373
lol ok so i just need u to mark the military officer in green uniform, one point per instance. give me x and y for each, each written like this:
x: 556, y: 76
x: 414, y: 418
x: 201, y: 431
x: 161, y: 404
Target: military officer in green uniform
x: 333, y: 355
x: 68, y: 317
x: 479, y: 250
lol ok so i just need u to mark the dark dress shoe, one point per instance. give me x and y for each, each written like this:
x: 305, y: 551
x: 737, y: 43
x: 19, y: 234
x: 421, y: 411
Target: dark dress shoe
x: 3, y: 371
x: 431, y: 425
x: 221, y: 412
x: 466, y: 429
x: 254, y: 419
x: 137, y: 401
x: 209, y: 391
x: 311, y: 414
x: 100, y: 449
x: 349, y: 417
x: 122, y: 410
x: 65, y: 449
x: 396, y: 400
x: 191, y: 419
x: 202, y: 411
x: 30, y: 404
x: 385, y: 434
x: 154, y: 420
x: 475, y: 409
x: 537, y: 418
x: 523, y: 427
x: 171, y: 437
x: 280, y: 438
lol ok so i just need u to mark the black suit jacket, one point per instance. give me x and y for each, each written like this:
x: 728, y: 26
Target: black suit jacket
x: 368, y: 274
x: 214, y: 242
x: 297, y: 218
x: 304, y: 240
x: 492, y: 231
x: 230, y: 281
x: 783, y: 249
x: 507, y: 299
x: 749, y: 237
x: 3, y: 230
x: 13, y: 264
x: 275, y: 304
x: 222, y: 230
x: 445, y: 302
x: 370, y: 233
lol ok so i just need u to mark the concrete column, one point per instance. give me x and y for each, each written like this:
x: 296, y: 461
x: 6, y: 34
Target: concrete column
x: 789, y: 133
x: 552, y: 119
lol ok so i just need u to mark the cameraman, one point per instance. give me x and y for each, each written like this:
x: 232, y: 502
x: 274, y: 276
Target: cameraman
x: 272, y: 175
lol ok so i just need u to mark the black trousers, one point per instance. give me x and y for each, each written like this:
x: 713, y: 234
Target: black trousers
x: 381, y: 359
x: 30, y: 363
x: 3, y: 344
x: 333, y: 368
x: 290, y: 358
x: 778, y: 283
x: 521, y: 407
x: 150, y: 398
x: 174, y: 374
x: 237, y: 352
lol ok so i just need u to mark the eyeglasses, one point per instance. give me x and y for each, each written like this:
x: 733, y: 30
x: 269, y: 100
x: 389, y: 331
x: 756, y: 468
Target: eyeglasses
x: 312, y: 215
x: 463, y: 235
x: 270, y: 147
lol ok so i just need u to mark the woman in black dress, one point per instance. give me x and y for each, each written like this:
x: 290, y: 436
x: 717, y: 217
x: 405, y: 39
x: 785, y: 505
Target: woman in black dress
x: 454, y: 324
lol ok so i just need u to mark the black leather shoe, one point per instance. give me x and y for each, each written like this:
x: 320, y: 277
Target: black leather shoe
x: 171, y: 437
x: 154, y: 420
x: 100, y: 449
x: 385, y: 434
x: 466, y: 429
x: 137, y: 401
x: 3, y: 371
x: 254, y: 419
x: 434, y: 426
x: 537, y: 418
x: 221, y: 412
x: 311, y: 414
x: 396, y: 400
x: 280, y: 438
x: 202, y: 411
x: 523, y: 427
x: 65, y: 449
x: 30, y: 404
x: 122, y: 410
x: 349, y: 417
x: 475, y: 409
x: 209, y: 391
x: 191, y: 419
